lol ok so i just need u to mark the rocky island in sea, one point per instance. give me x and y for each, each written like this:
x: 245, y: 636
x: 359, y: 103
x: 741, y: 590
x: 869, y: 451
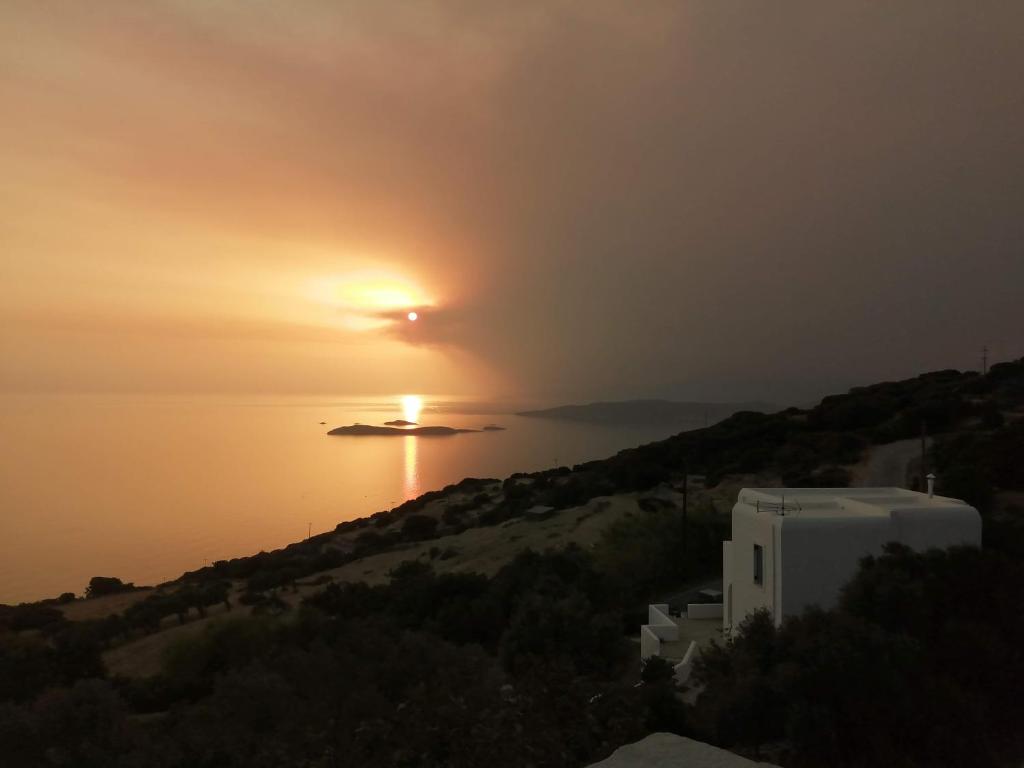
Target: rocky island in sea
x: 369, y: 430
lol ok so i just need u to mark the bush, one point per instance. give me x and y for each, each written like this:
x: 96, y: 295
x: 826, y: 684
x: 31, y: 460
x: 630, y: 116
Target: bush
x: 419, y: 528
x: 832, y: 683
x: 655, y: 669
x: 106, y: 585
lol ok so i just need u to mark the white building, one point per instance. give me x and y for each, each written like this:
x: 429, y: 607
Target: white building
x: 795, y: 547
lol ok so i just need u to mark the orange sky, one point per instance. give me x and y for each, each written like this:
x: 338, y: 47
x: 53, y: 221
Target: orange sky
x: 211, y: 199
x: 700, y: 199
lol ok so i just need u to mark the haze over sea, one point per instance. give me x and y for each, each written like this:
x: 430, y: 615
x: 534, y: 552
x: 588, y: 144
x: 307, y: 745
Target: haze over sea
x: 147, y: 487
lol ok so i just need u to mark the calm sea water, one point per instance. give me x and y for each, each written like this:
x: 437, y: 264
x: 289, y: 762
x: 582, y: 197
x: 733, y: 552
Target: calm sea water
x: 145, y: 488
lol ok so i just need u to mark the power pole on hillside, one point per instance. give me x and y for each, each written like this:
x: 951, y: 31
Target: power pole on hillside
x: 984, y: 360
x: 686, y: 497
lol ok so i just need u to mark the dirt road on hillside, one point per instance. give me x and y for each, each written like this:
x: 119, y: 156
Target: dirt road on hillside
x: 886, y: 465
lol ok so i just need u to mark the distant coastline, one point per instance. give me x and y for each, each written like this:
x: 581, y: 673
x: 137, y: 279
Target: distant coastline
x: 648, y: 411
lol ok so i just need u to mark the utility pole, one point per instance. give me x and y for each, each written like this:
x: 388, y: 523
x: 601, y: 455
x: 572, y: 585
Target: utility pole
x: 984, y: 360
x: 686, y: 496
x: 309, y: 530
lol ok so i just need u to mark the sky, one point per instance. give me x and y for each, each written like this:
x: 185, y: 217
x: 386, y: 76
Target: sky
x: 581, y: 200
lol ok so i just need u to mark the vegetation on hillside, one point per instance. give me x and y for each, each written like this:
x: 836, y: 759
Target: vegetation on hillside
x: 801, y: 447
x: 528, y: 667
x: 918, y: 666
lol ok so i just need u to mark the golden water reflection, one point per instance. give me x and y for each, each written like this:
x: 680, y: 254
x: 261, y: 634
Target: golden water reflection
x: 411, y: 484
x: 412, y: 406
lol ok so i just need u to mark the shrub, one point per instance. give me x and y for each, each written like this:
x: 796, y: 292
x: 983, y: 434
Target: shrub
x: 419, y: 527
x: 106, y: 585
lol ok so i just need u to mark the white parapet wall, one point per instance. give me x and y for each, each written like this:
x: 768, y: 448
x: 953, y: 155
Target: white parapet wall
x: 650, y: 645
x: 684, y: 667
x: 659, y: 628
x: 660, y: 623
x: 704, y: 611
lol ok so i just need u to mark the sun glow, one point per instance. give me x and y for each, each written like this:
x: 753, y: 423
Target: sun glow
x: 368, y: 300
x: 411, y: 407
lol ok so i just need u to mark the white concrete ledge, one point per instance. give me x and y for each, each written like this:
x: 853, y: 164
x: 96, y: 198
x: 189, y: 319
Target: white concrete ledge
x: 650, y: 644
x: 661, y: 624
x: 685, y: 667
x: 704, y: 610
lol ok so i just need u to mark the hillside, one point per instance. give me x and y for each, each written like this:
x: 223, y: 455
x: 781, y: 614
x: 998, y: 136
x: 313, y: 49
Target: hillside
x: 668, y: 412
x: 452, y: 582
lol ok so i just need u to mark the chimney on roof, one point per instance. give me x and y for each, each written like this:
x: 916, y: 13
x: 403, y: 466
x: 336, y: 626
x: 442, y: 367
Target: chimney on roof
x: 931, y: 484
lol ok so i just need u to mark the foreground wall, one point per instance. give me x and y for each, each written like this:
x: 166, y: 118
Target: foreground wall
x: 666, y: 750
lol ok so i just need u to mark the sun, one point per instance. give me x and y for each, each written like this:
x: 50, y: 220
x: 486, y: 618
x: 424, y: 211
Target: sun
x: 371, y: 300
x: 411, y: 407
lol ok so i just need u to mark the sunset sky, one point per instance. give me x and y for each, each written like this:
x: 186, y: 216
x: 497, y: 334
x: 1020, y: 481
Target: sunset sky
x: 700, y: 200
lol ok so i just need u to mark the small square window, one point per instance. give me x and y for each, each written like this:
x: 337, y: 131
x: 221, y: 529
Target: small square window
x: 758, y: 564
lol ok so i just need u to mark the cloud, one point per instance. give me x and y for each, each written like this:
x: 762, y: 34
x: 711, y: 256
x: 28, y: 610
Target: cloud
x: 693, y: 199
x: 433, y: 327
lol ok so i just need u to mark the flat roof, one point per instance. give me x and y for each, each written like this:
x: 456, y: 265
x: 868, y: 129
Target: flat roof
x: 700, y: 631
x: 842, y: 502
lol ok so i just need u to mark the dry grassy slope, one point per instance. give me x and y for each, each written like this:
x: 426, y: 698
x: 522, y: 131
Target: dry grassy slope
x: 479, y: 550
x: 482, y: 550
x: 100, y: 607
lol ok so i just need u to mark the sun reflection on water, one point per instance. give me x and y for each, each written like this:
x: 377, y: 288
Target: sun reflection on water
x: 411, y: 483
x: 412, y: 405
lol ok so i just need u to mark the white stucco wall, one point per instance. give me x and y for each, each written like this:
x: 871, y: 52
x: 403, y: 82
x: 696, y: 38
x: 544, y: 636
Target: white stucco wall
x: 726, y: 584
x: 650, y: 645
x: 922, y: 528
x: 748, y: 529
x: 704, y: 610
x: 660, y: 624
x: 820, y: 556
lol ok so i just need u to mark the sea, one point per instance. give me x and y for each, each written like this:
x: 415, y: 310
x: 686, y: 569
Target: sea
x: 146, y: 487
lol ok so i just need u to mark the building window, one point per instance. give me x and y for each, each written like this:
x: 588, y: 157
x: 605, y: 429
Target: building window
x: 758, y: 564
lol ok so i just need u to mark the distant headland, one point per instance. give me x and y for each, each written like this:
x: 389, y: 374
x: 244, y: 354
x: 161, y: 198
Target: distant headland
x: 648, y: 412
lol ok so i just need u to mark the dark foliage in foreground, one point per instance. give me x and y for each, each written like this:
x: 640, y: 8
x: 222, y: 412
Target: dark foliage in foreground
x: 920, y: 665
x: 460, y: 670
